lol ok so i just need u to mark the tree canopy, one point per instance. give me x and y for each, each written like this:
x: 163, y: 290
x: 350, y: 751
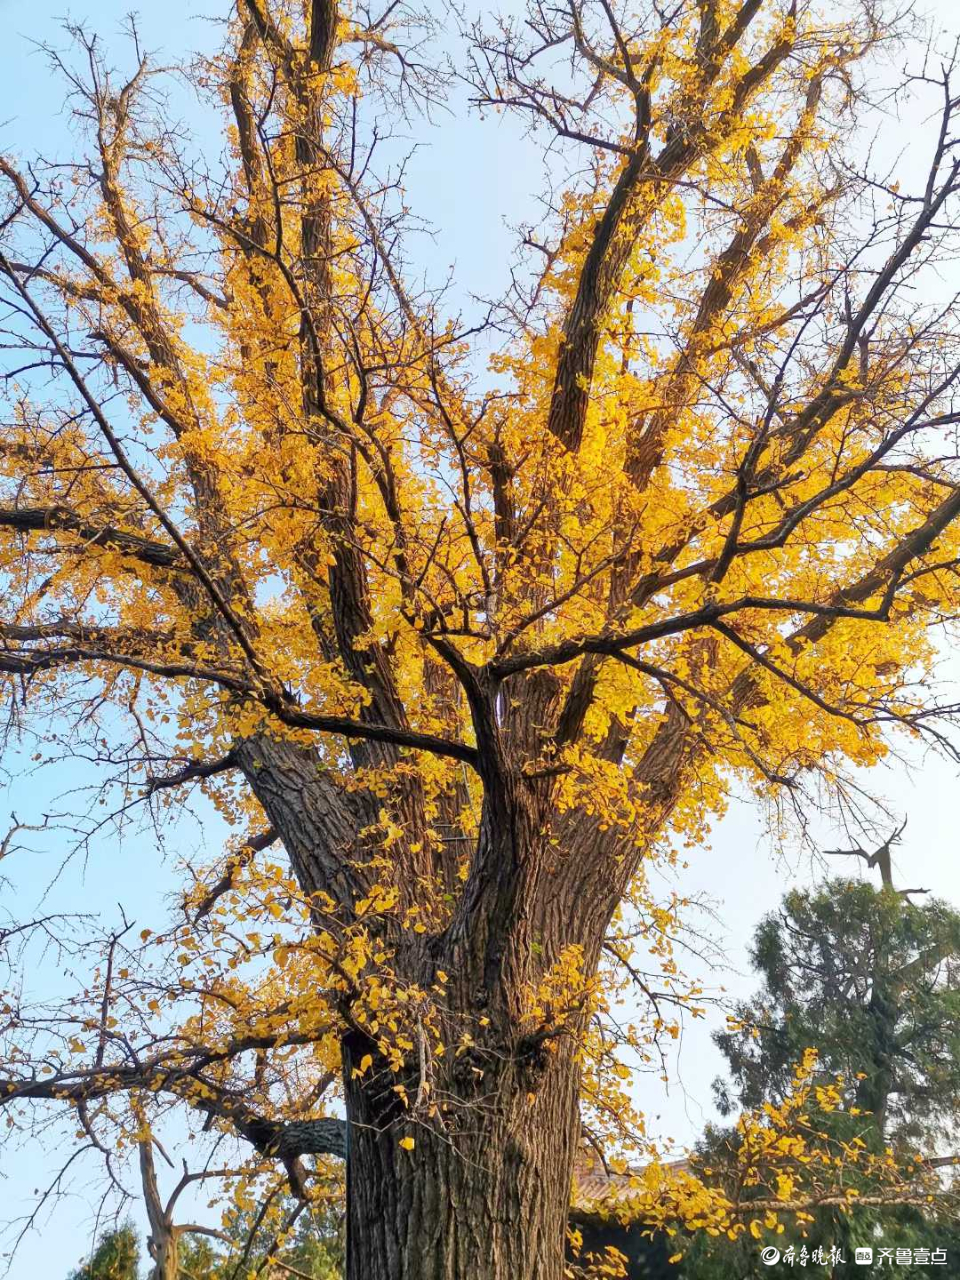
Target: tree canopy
x: 870, y: 981
x: 465, y: 626
x: 116, y: 1257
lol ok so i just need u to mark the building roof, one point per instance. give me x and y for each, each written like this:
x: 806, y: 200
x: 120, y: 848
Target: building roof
x: 596, y: 1188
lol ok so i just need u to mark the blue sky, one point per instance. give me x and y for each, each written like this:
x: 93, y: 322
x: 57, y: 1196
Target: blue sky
x: 474, y: 177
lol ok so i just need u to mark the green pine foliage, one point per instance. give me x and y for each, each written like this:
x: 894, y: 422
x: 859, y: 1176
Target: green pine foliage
x: 315, y: 1249
x: 872, y: 981
x: 116, y: 1257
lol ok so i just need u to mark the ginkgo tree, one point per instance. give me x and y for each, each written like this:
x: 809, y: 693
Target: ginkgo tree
x: 464, y: 627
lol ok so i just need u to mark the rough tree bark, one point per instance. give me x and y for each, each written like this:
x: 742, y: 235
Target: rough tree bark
x: 484, y: 1192
x: 488, y: 1200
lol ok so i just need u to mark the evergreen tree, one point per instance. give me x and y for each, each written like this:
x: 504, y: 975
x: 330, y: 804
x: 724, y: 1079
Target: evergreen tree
x: 870, y: 980
x: 315, y: 1250
x: 116, y: 1257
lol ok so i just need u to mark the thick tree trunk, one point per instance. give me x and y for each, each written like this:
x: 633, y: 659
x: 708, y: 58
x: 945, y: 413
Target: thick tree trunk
x: 484, y: 1195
